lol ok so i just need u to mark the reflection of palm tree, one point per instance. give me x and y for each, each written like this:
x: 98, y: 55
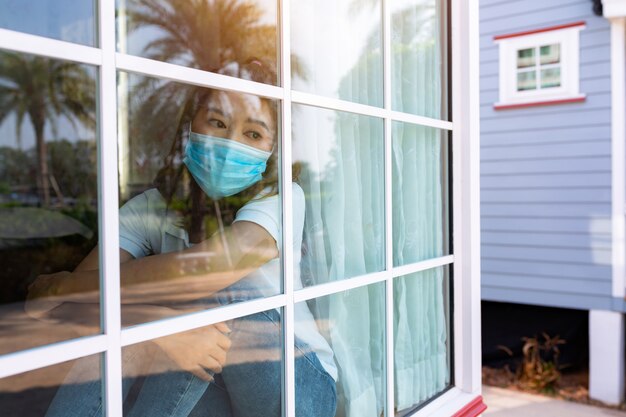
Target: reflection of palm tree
x: 205, y: 34
x: 44, y: 89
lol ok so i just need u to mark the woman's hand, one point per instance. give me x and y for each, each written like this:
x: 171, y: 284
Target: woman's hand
x: 198, y: 351
x: 43, y: 294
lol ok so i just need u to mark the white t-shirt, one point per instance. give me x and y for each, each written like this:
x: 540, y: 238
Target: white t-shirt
x: 147, y: 228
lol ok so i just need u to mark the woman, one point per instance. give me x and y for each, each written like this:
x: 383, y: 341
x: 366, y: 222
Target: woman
x: 230, y: 151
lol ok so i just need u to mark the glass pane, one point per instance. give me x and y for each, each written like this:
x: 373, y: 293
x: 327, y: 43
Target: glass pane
x: 551, y: 77
x: 337, y: 49
x: 340, y: 168
x: 200, y: 222
x: 212, y: 36
x: 232, y: 368
x: 66, y: 20
x: 422, y: 348
x: 526, y: 58
x: 550, y: 54
x: 344, y: 340
x: 419, y: 50
x: 420, y: 193
x: 526, y: 80
x: 48, y: 201
x: 69, y: 389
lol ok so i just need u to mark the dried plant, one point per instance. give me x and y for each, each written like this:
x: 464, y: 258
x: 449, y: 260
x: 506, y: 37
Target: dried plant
x: 540, y: 369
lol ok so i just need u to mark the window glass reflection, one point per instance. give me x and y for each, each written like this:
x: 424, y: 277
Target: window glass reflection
x: 54, y: 391
x: 48, y: 199
x: 422, y: 348
x: 353, y: 325
x: 200, y: 222
x: 337, y: 49
x: 420, y: 193
x: 526, y: 58
x: 526, y: 80
x: 551, y: 77
x: 550, y: 54
x: 419, y: 57
x: 203, y: 34
x: 66, y: 20
x: 341, y: 163
x: 232, y: 368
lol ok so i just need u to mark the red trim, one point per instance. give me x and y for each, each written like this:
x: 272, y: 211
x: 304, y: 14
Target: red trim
x: 530, y: 32
x: 473, y: 409
x: 538, y: 103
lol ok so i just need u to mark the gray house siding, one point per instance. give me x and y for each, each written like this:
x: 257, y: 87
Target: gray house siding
x: 546, y: 171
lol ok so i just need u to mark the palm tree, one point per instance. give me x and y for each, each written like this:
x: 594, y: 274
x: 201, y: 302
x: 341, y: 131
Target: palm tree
x: 45, y: 89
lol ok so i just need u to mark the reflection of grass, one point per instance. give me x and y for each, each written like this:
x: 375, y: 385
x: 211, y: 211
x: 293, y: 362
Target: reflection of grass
x: 23, y: 260
x: 20, y: 266
x: 84, y: 213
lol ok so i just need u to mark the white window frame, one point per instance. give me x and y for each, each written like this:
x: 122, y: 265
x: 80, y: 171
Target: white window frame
x: 569, y: 41
x: 463, y: 398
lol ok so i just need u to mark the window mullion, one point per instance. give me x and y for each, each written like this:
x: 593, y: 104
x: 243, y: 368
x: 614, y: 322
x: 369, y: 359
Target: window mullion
x: 389, y: 360
x: 51, y: 48
x: 538, y: 67
x: 288, y: 322
x: 108, y: 201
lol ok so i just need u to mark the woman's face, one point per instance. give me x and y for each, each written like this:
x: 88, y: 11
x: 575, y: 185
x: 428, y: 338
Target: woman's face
x: 245, y: 118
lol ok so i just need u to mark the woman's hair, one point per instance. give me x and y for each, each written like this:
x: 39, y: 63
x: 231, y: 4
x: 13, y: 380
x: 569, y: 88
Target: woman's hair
x: 177, y: 186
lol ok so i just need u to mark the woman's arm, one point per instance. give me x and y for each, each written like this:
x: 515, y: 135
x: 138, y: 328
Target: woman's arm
x: 196, y: 351
x: 190, y: 274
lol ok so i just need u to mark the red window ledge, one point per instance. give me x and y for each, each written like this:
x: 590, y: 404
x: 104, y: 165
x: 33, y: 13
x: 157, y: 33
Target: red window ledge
x: 541, y: 30
x: 539, y: 103
x: 473, y: 409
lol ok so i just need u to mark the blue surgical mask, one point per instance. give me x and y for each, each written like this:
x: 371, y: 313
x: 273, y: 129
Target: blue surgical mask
x: 223, y: 167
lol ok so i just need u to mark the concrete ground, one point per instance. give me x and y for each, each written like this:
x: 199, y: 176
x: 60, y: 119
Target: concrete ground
x: 508, y: 403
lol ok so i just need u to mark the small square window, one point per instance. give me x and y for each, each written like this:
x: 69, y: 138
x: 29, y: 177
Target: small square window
x: 539, y: 66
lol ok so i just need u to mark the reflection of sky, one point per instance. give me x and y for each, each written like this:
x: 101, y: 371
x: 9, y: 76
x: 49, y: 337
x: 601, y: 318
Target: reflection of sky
x: 67, y: 20
x: 64, y: 128
x: 138, y: 39
x: 329, y: 37
x: 316, y: 28
x: 64, y: 131
x: 73, y: 21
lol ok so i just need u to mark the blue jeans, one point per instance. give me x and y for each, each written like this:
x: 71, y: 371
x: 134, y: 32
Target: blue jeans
x: 249, y: 384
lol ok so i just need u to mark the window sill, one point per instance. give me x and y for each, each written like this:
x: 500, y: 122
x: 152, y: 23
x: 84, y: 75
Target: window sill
x: 455, y: 403
x: 508, y: 106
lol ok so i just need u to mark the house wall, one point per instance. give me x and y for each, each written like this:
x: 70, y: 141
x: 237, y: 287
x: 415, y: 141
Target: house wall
x: 546, y: 171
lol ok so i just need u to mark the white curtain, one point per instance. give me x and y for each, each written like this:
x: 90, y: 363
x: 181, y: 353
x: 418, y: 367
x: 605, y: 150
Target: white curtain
x: 343, y: 181
x: 344, y: 237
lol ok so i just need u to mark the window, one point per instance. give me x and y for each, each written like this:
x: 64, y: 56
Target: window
x: 216, y: 204
x: 539, y: 67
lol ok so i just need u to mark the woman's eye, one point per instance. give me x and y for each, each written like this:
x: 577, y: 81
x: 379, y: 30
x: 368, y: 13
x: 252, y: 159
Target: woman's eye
x: 217, y: 123
x: 254, y: 135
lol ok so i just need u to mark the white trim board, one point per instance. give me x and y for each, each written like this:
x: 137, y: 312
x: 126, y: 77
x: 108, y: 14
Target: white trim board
x: 618, y: 154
